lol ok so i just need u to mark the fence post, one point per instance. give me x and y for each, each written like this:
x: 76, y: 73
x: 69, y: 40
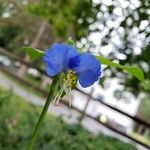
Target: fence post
x: 86, y: 105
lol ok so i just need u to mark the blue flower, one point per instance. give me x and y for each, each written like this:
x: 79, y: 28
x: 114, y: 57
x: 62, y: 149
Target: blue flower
x: 63, y: 57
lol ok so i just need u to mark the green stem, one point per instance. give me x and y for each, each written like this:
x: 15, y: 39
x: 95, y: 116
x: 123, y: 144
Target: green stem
x: 42, y: 116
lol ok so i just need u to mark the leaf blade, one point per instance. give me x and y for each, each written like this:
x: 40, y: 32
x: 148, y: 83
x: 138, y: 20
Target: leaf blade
x: 33, y: 53
x: 134, y: 70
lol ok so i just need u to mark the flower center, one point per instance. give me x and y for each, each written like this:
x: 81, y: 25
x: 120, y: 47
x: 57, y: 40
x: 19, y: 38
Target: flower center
x: 70, y: 79
x: 69, y: 82
x: 74, y: 62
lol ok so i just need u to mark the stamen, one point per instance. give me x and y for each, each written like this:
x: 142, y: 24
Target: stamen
x: 70, y: 80
x: 70, y: 100
x: 58, y: 99
x: 58, y: 96
x: 69, y: 83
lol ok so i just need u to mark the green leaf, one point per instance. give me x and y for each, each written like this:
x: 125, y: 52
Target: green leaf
x: 70, y: 42
x: 135, y: 71
x: 33, y: 53
x: 146, y: 85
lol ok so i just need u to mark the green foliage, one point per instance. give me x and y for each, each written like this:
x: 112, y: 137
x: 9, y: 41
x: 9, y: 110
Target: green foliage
x: 1, y: 8
x: 33, y: 53
x: 146, y: 85
x: 135, y: 71
x: 8, y: 34
x: 19, y: 27
x: 4, y: 98
x: 18, y: 120
x: 67, y: 17
x: 71, y: 42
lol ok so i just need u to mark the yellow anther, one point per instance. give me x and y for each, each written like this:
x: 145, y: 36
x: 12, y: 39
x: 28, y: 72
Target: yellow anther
x: 70, y: 79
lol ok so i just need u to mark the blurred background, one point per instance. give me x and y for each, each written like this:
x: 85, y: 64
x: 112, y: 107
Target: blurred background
x: 113, y: 114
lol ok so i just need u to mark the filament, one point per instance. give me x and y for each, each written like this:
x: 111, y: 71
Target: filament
x: 58, y: 96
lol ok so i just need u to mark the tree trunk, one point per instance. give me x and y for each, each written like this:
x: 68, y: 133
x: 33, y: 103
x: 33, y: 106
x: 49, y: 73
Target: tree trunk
x: 36, y: 44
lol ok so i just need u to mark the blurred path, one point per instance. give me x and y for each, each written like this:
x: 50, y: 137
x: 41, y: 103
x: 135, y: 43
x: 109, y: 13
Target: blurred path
x: 69, y: 115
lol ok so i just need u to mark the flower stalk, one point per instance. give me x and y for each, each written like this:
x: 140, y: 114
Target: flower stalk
x: 50, y: 97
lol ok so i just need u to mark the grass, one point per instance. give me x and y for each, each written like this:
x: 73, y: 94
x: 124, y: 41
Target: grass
x: 18, y: 118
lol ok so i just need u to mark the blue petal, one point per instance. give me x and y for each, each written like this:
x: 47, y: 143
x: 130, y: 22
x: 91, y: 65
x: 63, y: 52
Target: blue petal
x: 52, y: 70
x: 57, y: 58
x: 88, y: 78
x: 54, y: 59
x: 88, y: 70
